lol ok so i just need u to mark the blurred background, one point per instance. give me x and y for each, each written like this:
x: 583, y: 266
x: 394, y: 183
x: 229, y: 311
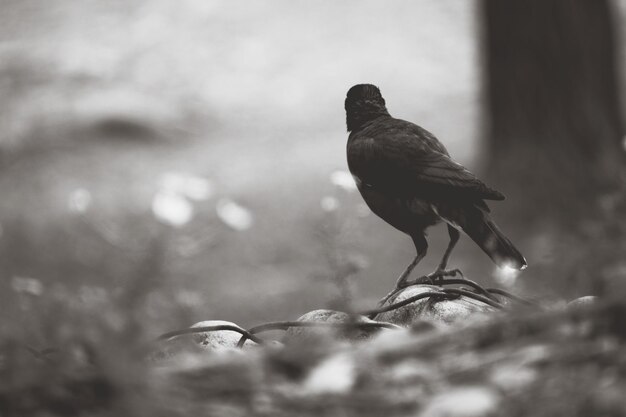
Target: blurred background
x: 178, y: 161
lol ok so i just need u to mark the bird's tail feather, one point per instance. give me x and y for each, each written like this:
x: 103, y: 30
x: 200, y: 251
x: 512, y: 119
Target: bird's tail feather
x: 494, y: 243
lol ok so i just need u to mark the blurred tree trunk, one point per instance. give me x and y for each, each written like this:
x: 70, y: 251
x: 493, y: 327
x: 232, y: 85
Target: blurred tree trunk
x: 555, y: 129
x: 555, y: 136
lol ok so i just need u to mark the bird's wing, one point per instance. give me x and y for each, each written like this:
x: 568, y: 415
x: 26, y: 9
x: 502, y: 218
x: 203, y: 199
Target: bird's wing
x: 402, y: 164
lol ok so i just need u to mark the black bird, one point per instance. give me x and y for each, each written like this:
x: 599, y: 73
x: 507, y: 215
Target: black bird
x: 407, y: 178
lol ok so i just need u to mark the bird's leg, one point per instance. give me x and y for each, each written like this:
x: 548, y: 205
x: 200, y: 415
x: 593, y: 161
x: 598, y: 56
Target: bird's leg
x: 401, y: 283
x: 421, y: 247
x: 441, y: 270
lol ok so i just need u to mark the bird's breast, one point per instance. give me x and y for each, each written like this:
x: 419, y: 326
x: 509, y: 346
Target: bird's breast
x: 406, y: 214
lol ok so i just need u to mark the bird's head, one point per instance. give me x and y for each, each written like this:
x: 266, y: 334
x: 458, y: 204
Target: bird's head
x: 363, y: 103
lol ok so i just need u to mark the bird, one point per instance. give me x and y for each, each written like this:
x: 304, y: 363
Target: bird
x: 407, y: 177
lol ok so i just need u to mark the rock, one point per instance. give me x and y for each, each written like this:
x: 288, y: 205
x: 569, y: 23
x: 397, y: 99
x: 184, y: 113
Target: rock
x: 198, y: 344
x: 471, y: 401
x: 584, y: 327
x: 412, y: 371
x: 219, y: 339
x: 166, y: 351
x: 389, y: 338
x: 333, y: 375
x: 432, y: 309
x: 511, y: 377
x: 585, y: 301
x: 329, y: 316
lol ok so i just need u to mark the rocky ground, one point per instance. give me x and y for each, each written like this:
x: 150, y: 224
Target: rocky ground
x: 438, y: 354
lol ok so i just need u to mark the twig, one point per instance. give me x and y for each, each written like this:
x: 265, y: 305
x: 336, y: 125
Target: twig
x: 389, y: 295
x: 477, y: 292
x: 284, y: 325
x: 473, y: 295
x: 374, y: 312
x: 487, y: 298
x: 511, y: 296
x: 607, y: 316
x: 192, y: 330
x: 440, y: 282
x: 461, y: 281
x: 41, y: 354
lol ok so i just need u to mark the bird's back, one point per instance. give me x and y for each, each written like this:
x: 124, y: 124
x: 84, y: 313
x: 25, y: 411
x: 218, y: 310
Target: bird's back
x: 403, y: 159
x: 392, y: 132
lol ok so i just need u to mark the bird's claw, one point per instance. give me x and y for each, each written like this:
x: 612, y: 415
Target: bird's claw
x: 423, y: 280
x: 440, y: 274
x: 435, y: 277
